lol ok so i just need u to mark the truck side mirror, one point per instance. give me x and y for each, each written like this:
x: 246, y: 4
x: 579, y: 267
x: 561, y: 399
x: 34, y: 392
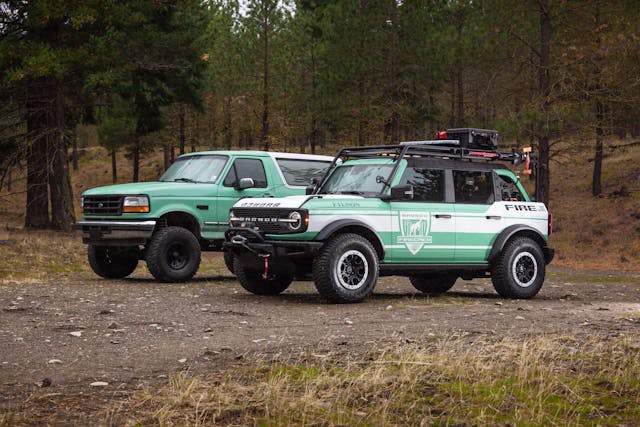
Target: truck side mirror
x: 311, y: 188
x: 245, y: 183
x: 402, y: 192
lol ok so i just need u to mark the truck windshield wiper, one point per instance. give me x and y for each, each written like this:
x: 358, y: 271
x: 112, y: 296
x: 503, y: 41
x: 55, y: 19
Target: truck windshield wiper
x: 184, y: 180
x: 354, y: 192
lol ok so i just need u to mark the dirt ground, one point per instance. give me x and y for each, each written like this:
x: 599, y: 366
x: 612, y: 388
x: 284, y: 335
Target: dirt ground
x: 61, y: 339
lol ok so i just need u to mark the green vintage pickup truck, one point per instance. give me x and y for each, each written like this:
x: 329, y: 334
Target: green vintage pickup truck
x: 170, y: 221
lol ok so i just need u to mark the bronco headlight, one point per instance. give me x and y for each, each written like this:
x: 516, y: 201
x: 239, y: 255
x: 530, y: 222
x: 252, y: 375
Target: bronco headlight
x: 295, y: 220
x: 135, y: 204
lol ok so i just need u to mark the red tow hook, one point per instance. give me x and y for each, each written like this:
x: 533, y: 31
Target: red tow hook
x: 265, y: 275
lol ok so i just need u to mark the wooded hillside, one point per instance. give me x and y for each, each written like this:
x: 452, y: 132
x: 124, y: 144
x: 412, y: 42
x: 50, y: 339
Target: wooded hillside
x: 305, y: 76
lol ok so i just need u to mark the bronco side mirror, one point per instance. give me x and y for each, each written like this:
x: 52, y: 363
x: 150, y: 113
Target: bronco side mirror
x: 402, y: 192
x: 311, y: 188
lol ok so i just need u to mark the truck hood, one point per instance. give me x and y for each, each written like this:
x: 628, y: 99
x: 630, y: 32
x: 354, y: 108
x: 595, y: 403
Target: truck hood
x: 287, y: 202
x: 157, y: 188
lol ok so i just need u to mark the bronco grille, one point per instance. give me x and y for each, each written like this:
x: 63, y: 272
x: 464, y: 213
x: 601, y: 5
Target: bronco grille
x: 268, y: 221
x: 102, y: 205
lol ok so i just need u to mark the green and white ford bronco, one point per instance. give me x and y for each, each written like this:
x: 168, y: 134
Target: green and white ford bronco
x: 169, y: 222
x: 434, y: 211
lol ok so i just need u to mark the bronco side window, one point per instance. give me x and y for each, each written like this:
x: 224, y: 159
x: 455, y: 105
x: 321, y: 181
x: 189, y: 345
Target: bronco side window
x: 428, y: 184
x: 473, y: 187
x: 508, y: 189
x: 246, y: 168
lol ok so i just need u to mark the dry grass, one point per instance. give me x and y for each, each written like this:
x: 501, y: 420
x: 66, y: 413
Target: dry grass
x: 544, y: 380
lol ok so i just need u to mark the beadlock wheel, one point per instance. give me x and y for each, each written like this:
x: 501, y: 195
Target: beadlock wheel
x: 524, y: 269
x: 352, y: 269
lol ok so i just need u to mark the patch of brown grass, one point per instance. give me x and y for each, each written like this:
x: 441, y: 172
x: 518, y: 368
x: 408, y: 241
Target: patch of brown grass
x: 543, y: 380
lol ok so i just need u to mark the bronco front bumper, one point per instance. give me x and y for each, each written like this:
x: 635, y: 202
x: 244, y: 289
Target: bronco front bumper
x: 239, y: 240
x: 104, y: 232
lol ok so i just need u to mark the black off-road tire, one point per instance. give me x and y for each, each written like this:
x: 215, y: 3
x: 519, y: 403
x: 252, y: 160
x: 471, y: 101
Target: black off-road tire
x: 173, y: 255
x: 346, y: 270
x: 229, y: 260
x: 112, y: 262
x: 519, y: 270
x: 253, y: 281
x: 434, y: 283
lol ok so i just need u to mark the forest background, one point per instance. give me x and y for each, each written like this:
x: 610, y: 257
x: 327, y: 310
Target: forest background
x: 151, y: 79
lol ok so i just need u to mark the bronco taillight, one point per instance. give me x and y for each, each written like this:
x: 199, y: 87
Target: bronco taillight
x: 550, y: 226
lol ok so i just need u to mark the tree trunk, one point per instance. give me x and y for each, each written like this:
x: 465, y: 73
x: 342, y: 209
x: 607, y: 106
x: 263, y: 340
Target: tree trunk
x: 544, y: 89
x: 394, y: 122
x: 459, y: 65
x: 37, y: 208
x: 136, y: 158
x: 74, y: 156
x: 181, y: 114
x: 114, y: 166
x: 226, y: 130
x: 165, y: 156
x: 62, y: 214
x: 264, y: 137
x: 596, y: 183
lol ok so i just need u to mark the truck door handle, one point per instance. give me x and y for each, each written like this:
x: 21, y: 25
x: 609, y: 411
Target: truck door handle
x: 493, y: 217
x: 267, y: 195
x: 443, y: 216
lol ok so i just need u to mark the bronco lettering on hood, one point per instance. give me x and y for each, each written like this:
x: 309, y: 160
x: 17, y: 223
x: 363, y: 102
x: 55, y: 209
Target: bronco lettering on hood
x: 259, y: 204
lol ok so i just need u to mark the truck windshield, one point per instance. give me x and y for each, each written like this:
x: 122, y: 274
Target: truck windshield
x: 361, y: 179
x: 203, y: 168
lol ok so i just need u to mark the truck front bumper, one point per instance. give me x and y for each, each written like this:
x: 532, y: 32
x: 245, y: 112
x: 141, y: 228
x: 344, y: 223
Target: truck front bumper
x: 120, y: 233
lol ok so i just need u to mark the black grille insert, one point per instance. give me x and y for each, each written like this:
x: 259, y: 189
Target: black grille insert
x: 102, y: 205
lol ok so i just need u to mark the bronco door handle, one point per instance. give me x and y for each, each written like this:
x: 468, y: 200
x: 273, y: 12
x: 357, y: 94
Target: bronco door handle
x: 493, y: 217
x: 443, y: 216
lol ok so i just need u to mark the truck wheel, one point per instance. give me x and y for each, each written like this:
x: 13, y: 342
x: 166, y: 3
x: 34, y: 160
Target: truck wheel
x: 518, y: 272
x: 229, y: 261
x: 112, y: 262
x: 346, y: 270
x: 173, y: 255
x: 434, y: 283
x: 253, y: 281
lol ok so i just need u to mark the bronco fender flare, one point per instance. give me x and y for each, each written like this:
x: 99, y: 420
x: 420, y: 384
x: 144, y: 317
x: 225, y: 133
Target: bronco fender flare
x: 523, y: 230
x: 353, y: 226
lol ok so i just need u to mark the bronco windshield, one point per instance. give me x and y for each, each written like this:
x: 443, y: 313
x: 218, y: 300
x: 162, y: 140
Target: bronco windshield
x: 366, y: 179
x: 201, y: 168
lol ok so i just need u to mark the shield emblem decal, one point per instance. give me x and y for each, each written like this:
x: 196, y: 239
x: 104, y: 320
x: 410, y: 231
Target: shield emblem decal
x: 414, y: 229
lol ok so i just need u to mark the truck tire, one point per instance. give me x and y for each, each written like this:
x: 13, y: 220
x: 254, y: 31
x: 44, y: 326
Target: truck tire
x: 229, y: 261
x: 346, y: 270
x: 252, y: 280
x: 434, y: 283
x: 173, y: 255
x: 518, y: 271
x: 112, y: 262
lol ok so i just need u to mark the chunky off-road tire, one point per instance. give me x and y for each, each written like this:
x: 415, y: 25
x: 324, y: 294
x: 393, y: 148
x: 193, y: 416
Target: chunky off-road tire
x: 519, y: 270
x: 254, y: 282
x: 434, y: 283
x: 112, y: 262
x: 173, y: 255
x: 229, y: 261
x: 346, y: 270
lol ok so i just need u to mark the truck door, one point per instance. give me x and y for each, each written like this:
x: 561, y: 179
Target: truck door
x: 425, y: 226
x: 229, y: 191
x: 476, y: 225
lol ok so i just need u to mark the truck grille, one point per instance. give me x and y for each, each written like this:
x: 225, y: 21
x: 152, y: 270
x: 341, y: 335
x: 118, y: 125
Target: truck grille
x: 102, y: 205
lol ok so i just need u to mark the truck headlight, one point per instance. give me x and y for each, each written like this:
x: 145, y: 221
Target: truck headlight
x: 295, y: 220
x: 135, y: 204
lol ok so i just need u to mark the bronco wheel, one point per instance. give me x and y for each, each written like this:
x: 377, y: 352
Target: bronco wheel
x: 253, y: 281
x: 173, y: 255
x: 346, y: 270
x: 228, y: 261
x: 112, y: 262
x: 519, y: 270
x: 434, y: 283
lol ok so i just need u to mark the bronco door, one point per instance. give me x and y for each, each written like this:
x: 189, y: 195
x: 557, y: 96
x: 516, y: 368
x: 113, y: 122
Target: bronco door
x: 425, y: 226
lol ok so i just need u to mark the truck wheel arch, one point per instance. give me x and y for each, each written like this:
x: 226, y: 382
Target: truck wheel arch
x: 515, y: 231
x: 352, y: 226
x: 180, y: 219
